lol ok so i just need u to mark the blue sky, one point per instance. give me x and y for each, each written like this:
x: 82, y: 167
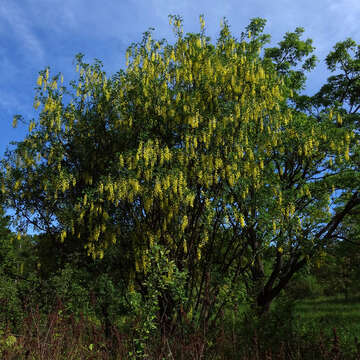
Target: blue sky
x: 39, y: 33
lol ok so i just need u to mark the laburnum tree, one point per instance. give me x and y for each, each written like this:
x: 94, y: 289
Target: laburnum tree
x: 200, y: 149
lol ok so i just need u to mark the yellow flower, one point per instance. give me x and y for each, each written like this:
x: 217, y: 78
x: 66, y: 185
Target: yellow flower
x: 63, y: 236
x: 185, y: 223
x: 202, y: 22
x: 17, y: 184
x: 157, y: 189
x: 131, y: 287
x: 14, y: 123
x: 274, y: 226
x: 113, y: 238
x: 242, y: 220
x: 39, y: 80
x: 339, y: 119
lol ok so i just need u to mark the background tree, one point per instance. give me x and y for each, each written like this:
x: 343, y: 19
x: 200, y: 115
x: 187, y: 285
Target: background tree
x: 340, y: 94
x: 338, y: 266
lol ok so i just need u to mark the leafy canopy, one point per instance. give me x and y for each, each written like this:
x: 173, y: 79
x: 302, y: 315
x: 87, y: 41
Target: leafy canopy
x: 195, y: 147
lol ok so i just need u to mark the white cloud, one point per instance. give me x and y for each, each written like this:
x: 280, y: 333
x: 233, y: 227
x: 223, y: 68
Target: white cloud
x: 8, y: 100
x: 347, y: 13
x: 21, y: 27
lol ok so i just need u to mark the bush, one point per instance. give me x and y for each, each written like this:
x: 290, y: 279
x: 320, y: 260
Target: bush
x: 10, y: 304
x: 306, y: 286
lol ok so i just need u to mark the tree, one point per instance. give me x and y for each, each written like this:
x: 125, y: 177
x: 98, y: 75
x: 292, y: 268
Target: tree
x: 196, y: 148
x: 341, y: 94
x: 338, y: 267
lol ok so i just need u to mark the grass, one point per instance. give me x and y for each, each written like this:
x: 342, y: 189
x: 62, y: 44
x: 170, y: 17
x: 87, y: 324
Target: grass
x: 311, y: 336
x: 322, y: 315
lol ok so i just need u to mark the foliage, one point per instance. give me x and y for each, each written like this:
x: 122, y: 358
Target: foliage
x: 18, y: 275
x: 304, y: 286
x: 207, y: 152
x: 58, y: 337
x: 319, y: 316
x: 163, y: 277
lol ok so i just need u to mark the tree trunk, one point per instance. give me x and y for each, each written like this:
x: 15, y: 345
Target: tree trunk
x: 263, y: 303
x: 166, y: 312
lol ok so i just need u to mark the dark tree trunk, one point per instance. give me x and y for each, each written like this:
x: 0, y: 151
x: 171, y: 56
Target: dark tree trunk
x: 270, y: 291
x: 263, y: 303
x: 166, y: 312
x: 107, y: 322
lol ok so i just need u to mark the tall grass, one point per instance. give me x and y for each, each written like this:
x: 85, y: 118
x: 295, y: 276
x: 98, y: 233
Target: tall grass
x: 321, y: 315
x: 60, y: 336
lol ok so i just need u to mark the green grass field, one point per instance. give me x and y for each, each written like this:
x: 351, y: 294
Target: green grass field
x: 324, y: 314
x: 313, y: 323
